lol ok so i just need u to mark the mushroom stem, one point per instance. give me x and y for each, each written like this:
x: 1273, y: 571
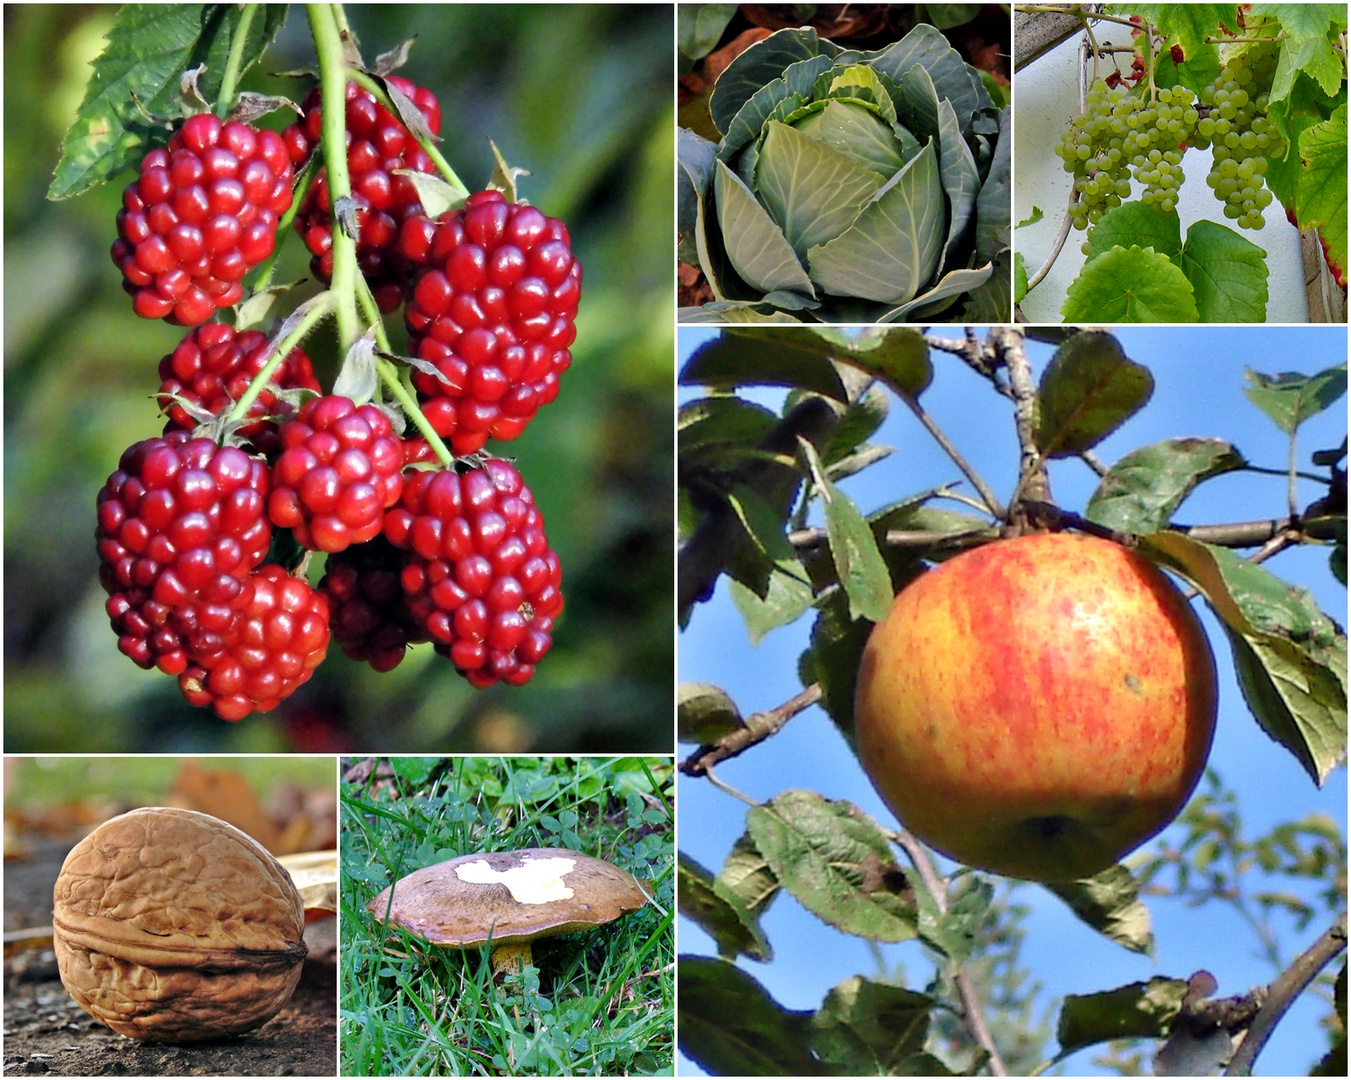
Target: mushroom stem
x: 509, y: 959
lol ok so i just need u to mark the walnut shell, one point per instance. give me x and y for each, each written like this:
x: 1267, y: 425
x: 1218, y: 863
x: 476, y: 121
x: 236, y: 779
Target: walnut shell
x: 172, y: 926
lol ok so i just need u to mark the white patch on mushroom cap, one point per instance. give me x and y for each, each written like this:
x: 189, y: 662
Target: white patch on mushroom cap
x: 535, y: 881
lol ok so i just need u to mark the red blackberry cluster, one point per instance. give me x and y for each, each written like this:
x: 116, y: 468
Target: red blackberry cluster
x: 495, y: 313
x: 416, y: 553
x: 341, y: 465
x: 202, y: 213
x: 212, y: 368
x: 480, y: 578
x: 181, y: 524
x: 378, y: 144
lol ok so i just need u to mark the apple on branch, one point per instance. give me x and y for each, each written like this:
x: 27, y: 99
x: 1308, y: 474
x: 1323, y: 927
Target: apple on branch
x: 1037, y: 707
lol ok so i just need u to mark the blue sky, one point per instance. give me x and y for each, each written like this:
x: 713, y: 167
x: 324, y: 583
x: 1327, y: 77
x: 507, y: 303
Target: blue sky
x: 1199, y: 392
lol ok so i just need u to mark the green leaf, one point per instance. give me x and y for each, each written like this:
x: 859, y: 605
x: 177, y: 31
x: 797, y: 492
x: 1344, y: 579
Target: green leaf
x: 1228, y: 274
x: 838, y: 864
x: 759, y: 65
x: 1129, y: 285
x: 899, y: 356
x: 149, y: 48
x: 960, y: 177
x: 1088, y: 390
x: 785, y: 94
x: 778, y: 593
x: 945, y: 16
x: 414, y: 771
x: 1136, y: 223
x: 1192, y: 23
x: 866, y: 1028
x: 832, y: 661
x: 1304, y: 21
x: 704, y: 713
x: 747, y: 874
x: 1141, y: 1010
x: 858, y: 563
x: 1031, y: 218
x: 694, y: 179
x: 934, y: 301
x: 768, y: 356
x: 720, y: 912
x: 730, y: 1025
x: 1290, y: 658
x: 1313, y: 57
x: 813, y: 193
x: 1141, y: 492
x: 892, y: 250
x: 1320, y: 200
x: 1019, y: 278
x: 1110, y: 903
x: 1291, y: 398
x: 716, y: 431
x: 989, y: 303
x: 953, y: 932
x: 699, y: 27
x: 755, y: 245
x: 954, y: 80
x: 855, y: 132
x: 993, y: 210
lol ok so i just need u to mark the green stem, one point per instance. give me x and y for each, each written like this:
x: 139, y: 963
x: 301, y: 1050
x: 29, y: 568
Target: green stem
x: 333, y: 102
x: 234, y: 61
x: 269, y: 264
x: 442, y: 165
x: 389, y: 375
x: 279, y: 351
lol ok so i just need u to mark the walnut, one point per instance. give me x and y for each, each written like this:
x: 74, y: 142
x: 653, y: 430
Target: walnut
x: 172, y: 926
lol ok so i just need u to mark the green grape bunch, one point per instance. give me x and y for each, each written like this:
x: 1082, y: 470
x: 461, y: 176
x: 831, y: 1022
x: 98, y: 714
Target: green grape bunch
x: 1240, y: 137
x: 1121, y: 135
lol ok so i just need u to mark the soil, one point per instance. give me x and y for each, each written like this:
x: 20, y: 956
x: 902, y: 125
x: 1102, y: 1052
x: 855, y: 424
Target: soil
x: 46, y: 1033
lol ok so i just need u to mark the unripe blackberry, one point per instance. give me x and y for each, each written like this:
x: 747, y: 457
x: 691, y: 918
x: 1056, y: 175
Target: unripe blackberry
x: 495, y: 313
x: 480, y: 578
x: 181, y: 524
x: 213, y: 366
x: 368, y: 614
x: 279, y: 639
x: 378, y: 144
x: 201, y: 215
x: 340, y: 468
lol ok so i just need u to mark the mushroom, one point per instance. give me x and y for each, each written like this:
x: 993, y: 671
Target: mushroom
x: 510, y: 898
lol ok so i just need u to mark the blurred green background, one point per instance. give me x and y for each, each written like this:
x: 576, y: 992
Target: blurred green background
x: 580, y: 96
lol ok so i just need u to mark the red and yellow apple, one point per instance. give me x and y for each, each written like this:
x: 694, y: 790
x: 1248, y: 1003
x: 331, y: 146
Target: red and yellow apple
x: 1037, y: 707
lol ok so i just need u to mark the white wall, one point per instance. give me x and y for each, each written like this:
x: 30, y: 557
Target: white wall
x: 1045, y: 97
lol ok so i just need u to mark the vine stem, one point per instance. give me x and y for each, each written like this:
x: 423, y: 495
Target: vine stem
x: 443, y: 166
x: 234, y: 61
x: 279, y: 350
x: 389, y: 375
x: 333, y: 101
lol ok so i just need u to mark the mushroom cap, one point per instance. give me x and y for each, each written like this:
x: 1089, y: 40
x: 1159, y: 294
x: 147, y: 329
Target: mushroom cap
x: 509, y: 896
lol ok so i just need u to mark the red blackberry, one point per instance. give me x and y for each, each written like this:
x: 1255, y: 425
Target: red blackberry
x: 368, y: 614
x: 180, y: 525
x: 480, y: 578
x: 340, y: 468
x: 213, y: 366
x: 377, y: 145
x: 278, y: 641
x: 495, y: 314
x: 202, y: 214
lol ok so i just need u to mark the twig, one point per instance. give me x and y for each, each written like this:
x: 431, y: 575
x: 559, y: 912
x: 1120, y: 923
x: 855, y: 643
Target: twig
x: 759, y: 727
x: 992, y: 504
x: 972, y: 1013
x: 1282, y: 993
x: 728, y: 788
x: 1033, y: 485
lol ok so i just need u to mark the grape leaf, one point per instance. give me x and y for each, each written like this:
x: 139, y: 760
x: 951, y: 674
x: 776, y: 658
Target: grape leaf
x: 1320, y: 199
x: 1136, y: 223
x: 1192, y: 23
x: 1019, y: 278
x: 1228, y: 273
x: 1130, y: 285
x: 1303, y: 21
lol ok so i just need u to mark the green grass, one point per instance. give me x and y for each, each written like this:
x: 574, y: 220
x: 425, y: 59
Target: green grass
x: 595, y: 1003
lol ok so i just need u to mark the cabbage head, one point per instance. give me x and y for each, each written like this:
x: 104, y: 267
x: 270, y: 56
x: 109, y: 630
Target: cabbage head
x: 849, y: 186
